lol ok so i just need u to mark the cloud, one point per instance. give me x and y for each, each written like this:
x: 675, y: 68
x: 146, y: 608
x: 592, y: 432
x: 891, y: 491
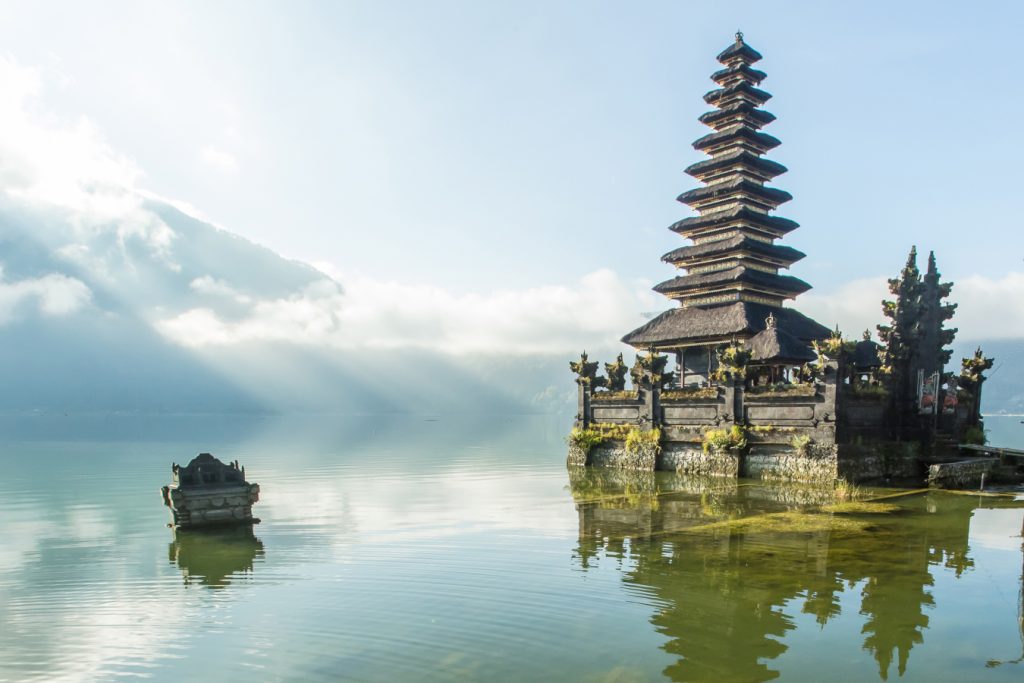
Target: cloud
x: 854, y: 306
x: 370, y: 314
x: 50, y: 295
x: 65, y: 168
x: 218, y: 159
x: 988, y: 308
x: 213, y: 287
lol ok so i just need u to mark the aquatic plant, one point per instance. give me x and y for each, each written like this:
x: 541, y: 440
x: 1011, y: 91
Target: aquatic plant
x: 857, y: 507
x: 794, y: 522
x: 847, y: 491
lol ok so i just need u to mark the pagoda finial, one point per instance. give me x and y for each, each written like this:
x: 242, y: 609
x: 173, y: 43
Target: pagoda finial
x: 739, y: 36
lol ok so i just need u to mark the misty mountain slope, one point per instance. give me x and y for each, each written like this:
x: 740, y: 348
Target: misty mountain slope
x: 100, y: 315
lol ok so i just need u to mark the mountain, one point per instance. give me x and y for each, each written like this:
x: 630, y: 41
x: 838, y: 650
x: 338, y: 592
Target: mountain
x: 103, y: 315
x: 1003, y: 392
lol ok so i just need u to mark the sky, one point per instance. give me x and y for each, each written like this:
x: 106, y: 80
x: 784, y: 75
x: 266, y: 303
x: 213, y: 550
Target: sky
x: 468, y: 160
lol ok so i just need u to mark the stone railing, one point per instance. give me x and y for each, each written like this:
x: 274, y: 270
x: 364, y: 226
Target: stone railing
x: 682, y: 414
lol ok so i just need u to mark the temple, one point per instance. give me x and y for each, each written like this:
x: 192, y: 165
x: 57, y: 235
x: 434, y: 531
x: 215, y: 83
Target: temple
x: 731, y: 285
x: 759, y: 389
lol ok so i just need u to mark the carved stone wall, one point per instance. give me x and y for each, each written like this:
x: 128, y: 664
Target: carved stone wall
x: 819, y: 465
x: 614, y: 454
x: 691, y: 460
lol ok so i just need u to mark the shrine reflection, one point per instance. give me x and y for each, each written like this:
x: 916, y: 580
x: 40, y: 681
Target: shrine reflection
x: 731, y: 592
x: 215, y: 557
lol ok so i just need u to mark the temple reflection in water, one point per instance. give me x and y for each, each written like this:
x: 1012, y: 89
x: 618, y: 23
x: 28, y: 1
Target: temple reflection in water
x: 732, y: 593
x: 215, y: 557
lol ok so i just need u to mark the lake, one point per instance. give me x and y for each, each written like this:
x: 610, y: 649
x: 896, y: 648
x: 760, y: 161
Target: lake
x: 445, y: 549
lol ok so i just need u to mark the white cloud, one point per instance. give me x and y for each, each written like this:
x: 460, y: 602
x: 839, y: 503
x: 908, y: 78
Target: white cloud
x: 51, y: 295
x: 988, y: 308
x: 65, y: 166
x: 371, y: 314
x: 855, y: 306
x: 211, y: 286
x: 218, y: 159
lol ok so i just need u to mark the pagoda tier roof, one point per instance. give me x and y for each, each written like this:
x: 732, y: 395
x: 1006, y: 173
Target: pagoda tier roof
x: 769, y: 195
x: 773, y: 345
x: 694, y: 325
x: 785, y: 284
x: 719, y: 94
x: 752, y: 113
x: 739, y: 71
x: 737, y: 243
x: 741, y: 157
x: 739, y: 51
x: 735, y: 133
x: 773, y: 224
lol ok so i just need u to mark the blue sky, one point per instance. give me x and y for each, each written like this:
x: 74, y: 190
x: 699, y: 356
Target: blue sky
x: 471, y: 147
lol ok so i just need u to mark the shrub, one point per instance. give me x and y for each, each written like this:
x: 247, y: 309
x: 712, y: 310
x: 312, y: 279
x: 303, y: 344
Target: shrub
x: 869, y: 391
x: 783, y: 390
x: 615, y: 395
x: 585, y: 439
x: 690, y: 394
x: 720, y: 440
x: 975, y: 435
x: 801, y: 443
x: 640, y: 440
x: 636, y: 439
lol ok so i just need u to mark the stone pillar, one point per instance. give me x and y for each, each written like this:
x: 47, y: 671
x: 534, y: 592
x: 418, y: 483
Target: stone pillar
x: 825, y: 411
x: 739, y: 409
x: 584, y: 416
x: 728, y: 414
x: 651, y: 398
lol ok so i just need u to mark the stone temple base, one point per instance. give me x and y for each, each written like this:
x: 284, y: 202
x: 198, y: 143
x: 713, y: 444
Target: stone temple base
x: 820, y: 463
x: 192, y: 508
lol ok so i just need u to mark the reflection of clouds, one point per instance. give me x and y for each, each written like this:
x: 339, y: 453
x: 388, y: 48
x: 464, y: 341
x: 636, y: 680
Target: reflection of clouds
x: 70, y: 620
x: 446, y: 503
x: 997, y: 529
x: 24, y: 528
x: 101, y: 632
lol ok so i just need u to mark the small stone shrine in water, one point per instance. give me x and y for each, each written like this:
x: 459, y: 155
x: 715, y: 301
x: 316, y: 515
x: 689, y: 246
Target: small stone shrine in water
x: 207, y: 492
x: 759, y: 389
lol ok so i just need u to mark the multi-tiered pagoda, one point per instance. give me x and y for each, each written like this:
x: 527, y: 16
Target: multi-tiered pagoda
x: 731, y: 282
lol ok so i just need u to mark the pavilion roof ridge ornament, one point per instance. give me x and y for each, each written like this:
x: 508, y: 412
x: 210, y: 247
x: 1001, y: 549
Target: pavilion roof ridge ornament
x: 769, y: 322
x: 739, y: 36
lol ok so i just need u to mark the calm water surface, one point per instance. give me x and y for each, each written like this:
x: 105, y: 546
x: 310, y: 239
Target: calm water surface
x: 436, y: 550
